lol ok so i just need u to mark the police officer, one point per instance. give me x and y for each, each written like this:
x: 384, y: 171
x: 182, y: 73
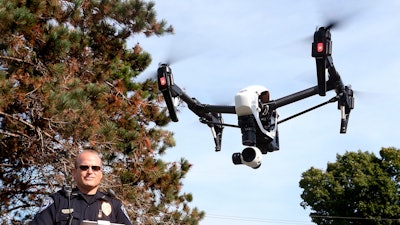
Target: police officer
x: 85, y: 202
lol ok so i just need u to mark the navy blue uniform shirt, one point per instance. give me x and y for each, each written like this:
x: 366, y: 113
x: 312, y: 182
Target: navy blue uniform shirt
x: 55, y: 210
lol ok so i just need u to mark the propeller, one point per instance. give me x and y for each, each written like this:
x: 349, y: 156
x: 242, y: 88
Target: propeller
x: 173, y: 57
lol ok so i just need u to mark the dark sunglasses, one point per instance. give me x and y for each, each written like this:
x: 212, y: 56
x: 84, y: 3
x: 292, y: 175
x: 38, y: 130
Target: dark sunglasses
x: 94, y: 168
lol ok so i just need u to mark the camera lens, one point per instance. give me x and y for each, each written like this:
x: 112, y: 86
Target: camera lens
x: 236, y: 158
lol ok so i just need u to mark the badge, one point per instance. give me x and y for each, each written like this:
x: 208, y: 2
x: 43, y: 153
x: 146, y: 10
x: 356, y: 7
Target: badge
x: 48, y: 201
x: 106, y: 208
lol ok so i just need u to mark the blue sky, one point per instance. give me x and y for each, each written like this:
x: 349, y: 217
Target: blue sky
x: 223, y: 46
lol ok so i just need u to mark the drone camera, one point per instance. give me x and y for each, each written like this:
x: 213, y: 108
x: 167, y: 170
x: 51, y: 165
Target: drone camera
x: 250, y: 156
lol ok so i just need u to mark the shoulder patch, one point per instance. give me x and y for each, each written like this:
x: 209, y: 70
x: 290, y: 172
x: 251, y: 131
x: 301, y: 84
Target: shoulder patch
x: 48, y: 201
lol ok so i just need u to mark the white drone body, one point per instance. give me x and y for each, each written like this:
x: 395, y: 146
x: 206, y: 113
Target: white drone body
x: 249, y: 108
x: 247, y: 102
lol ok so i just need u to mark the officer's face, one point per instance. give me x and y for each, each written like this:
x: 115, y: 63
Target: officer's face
x: 88, y: 173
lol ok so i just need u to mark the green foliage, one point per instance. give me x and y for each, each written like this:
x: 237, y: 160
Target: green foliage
x: 359, y: 188
x: 69, y: 85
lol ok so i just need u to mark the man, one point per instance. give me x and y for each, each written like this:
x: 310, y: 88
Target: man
x: 85, y: 202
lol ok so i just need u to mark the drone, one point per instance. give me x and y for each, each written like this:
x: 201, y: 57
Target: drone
x: 257, y: 114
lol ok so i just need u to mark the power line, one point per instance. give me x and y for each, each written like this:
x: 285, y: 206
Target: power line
x: 356, y: 218
x: 281, y: 221
x: 254, y: 219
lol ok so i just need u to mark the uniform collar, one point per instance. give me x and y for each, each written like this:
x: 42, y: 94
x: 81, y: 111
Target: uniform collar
x: 93, y: 198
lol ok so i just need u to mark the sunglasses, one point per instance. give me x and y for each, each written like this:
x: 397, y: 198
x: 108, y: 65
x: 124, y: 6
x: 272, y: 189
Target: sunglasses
x: 94, y: 168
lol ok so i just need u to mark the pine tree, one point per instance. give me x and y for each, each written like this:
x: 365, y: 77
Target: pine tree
x: 67, y: 83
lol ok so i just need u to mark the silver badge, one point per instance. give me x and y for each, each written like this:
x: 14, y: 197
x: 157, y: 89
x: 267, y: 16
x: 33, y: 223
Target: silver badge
x: 106, y: 208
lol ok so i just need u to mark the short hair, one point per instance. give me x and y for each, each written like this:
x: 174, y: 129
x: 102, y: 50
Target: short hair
x: 86, y: 151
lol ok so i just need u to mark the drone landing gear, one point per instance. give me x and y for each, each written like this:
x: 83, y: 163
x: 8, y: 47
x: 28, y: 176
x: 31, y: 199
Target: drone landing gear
x: 265, y: 144
x: 341, y: 105
x: 217, y: 126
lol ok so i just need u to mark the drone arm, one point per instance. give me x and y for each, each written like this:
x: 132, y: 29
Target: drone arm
x: 199, y: 108
x: 209, y: 114
x: 274, y: 104
x: 345, y: 93
x: 334, y: 78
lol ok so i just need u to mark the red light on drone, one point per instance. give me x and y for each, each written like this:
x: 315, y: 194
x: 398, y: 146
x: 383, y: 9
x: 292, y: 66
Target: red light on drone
x: 163, y: 81
x: 320, y: 47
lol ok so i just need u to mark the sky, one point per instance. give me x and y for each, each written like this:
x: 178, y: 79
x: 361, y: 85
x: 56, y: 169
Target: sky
x: 222, y: 46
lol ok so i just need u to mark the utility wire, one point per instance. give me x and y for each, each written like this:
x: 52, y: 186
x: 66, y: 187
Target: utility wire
x: 356, y: 218
x: 254, y: 219
x: 281, y: 221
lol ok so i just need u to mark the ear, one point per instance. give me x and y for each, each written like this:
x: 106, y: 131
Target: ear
x: 73, y: 172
